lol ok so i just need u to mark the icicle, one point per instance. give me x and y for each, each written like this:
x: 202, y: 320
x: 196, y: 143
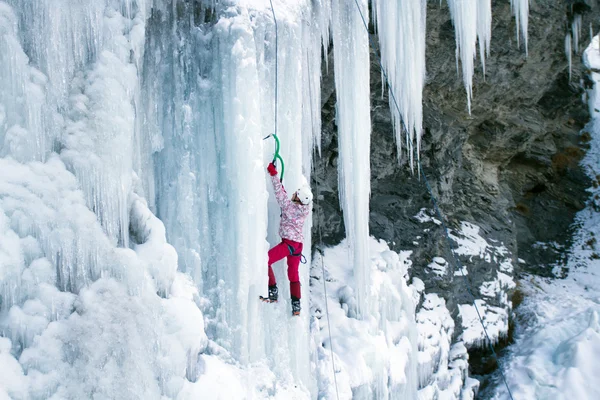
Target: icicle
x: 351, y: 52
x: 520, y: 9
x: 464, y: 15
x: 484, y: 29
x: 568, y: 51
x: 576, y: 32
x: 23, y: 114
x: 401, y: 30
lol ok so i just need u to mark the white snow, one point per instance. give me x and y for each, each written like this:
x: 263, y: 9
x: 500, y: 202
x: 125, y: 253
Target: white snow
x: 495, y: 321
x: 389, y: 354
x: 423, y: 216
x: 438, y: 266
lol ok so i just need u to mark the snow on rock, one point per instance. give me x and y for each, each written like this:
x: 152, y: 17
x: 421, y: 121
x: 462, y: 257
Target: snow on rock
x: 423, y: 216
x: 495, y: 321
x: 557, y: 354
x: 438, y: 266
x: 390, y: 355
x: 385, y: 356
x: 495, y: 315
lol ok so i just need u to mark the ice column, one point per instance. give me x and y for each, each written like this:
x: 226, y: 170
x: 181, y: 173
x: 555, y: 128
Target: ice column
x: 401, y: 30
x: 351, y: 52
x: 520, y: 9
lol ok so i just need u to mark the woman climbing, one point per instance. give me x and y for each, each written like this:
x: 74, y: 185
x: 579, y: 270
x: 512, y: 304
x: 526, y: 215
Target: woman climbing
x: 293, y: 214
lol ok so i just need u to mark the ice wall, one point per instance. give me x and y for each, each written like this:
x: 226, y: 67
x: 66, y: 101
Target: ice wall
x: 209, y: 99
x: 79, y: 315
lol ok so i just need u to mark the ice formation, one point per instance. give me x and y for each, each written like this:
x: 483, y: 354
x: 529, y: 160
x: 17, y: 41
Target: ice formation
x: 520, y: 9
x: 135, y: 212
x: 465, y: 18
x: 401, y: 32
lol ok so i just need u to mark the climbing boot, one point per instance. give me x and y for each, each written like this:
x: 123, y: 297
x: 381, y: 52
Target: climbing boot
x: 296, y: 306
x: 273, y: 294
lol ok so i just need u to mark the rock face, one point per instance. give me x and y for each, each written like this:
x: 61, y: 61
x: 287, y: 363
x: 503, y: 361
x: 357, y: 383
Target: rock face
x: 511, y: 167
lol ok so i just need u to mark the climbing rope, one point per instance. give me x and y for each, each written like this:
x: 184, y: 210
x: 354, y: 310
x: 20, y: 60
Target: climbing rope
x: 276, y: 156
x: 325, y: 295
x: 437, y: 209
x: 276, y: 68
x: 320, y: 229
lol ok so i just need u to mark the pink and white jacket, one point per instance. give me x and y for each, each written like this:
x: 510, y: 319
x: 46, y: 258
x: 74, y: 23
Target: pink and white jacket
x: 292, y: 214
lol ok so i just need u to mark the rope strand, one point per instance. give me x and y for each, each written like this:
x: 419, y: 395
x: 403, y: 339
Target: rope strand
x: 325, y: 296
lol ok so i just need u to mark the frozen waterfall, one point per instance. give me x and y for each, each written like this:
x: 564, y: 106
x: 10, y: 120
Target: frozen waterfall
x: 136, y: 214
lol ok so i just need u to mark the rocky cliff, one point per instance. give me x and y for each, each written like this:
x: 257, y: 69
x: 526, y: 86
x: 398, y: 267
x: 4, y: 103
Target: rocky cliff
x: 510, y: 166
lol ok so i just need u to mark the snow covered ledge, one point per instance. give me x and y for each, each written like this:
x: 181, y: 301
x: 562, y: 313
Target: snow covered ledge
x: 392, y: 353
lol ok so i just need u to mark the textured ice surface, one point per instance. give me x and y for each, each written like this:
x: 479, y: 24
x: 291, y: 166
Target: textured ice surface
x: 353, y: 116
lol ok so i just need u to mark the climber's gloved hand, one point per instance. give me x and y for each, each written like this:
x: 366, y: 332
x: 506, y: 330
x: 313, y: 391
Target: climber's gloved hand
x: 272, y: 169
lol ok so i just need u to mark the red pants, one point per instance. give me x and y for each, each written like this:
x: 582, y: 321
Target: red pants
x: 284, y: 249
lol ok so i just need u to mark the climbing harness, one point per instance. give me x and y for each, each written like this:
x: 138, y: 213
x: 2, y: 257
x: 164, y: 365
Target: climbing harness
x: 437, y: 210
x: 292, y: 250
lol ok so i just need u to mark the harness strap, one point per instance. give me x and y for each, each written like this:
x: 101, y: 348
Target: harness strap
x: 291, y: 249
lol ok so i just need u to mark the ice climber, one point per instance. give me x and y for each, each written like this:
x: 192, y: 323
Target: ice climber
x: 293, y: 214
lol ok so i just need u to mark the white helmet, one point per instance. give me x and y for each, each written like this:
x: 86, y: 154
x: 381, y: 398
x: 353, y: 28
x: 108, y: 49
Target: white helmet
x: 304, y: 194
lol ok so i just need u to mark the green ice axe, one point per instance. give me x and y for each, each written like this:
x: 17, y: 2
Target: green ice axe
x: 276, y: 155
